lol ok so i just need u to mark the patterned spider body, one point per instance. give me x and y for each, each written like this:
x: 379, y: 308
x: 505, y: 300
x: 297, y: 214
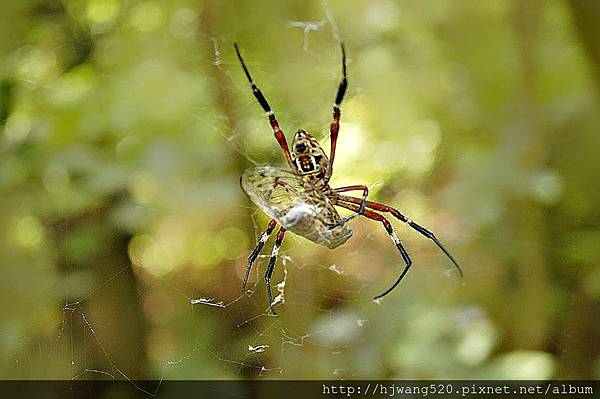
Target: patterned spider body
x: 308, y: 157
x: 301, y: 200
x: 296, y: 204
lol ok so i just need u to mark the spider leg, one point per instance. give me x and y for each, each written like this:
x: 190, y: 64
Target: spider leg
x: 280, y: 182
x: 397, y: 214
x: 278, y: 241
x: 267, y: 108
x: 254, y: 254
x: 388, y: 227
x: 363, y: 202
x: 335, y: 125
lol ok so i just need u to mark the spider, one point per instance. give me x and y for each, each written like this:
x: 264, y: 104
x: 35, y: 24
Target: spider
x: 300, y: 200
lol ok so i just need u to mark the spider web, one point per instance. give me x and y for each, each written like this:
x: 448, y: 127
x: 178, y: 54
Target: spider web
x: 326, y: 310
x: 262, y: 354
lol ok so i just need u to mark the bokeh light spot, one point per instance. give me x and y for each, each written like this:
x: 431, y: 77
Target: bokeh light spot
x: 547, y: 186
x: 383, y: 15
x: 137, y: 246
x: 56, y: 179
x: 17, y: 127
x: 207, y: 252
x: 143, y: 187
x: 524, y: 365
x: 72, y: 86
x: 151, y: 254
x: 146, y: 16
x: 423, y: 139
x: 183, y: 23
x: 158, y: 258
x: 235, y: 241
x: 102, y: 11
x: 477, y: 343
x: 29, y: 233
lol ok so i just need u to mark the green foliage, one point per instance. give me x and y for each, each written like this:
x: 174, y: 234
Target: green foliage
x: 124, y: 128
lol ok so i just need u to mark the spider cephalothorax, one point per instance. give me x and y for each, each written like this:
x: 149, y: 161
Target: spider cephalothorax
x: 308, y: 157
x: 301, y: 200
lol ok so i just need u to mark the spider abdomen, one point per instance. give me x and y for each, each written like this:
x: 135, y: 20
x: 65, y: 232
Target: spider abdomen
x: 296, y: 204
x: 306, y: 220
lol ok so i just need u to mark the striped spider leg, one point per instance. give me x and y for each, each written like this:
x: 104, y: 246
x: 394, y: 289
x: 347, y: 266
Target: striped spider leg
x: 271, y: 267
x: 254, y: 254
x: 274, y: 252
x: 279, y: 136
x: 352, y: 203
x: 363, y: 201
x: 337, y: 113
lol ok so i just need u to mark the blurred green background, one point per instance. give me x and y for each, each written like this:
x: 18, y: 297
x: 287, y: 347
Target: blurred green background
x: 124, y: 128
